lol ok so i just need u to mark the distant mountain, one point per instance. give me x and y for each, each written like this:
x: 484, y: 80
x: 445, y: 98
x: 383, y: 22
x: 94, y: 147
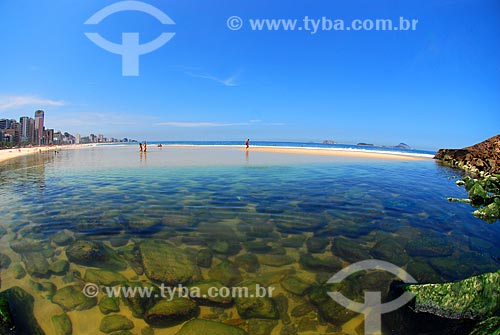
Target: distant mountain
x: 403, y: 146
x: 329, y: 142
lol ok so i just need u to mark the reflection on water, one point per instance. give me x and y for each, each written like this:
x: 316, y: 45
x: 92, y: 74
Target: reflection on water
x: 277, y: 221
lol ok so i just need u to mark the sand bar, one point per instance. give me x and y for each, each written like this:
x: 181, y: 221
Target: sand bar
x: 6, y: 154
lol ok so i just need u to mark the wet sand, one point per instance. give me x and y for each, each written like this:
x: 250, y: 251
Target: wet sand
x: 6, y: 154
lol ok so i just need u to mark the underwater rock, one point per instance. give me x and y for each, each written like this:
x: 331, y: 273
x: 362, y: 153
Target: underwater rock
x: 473, y: 298
x: 294, y: 241
x: 226, y: 272
x: 62, y: 324
x: 220, y: 238
x: 4, y: 261
x: 308, y: 324
x: 302, y: 309
x: 204, y: 258
x: 16, y: 313
x: 28, y: 245
x: 171, y: 312
x: 327, y: 307
x: 113, y: 323
x: 427, y: 245
x: 109, y: 305
x: 179, y: 221
x: 147, y: 331
x: 261, y: 326
x: 255, y: 305
x: 103, y: 277
x: 207, y: 327
x: 422, y: 271
x: 312, y: 223
x: 295, y: 285
x: 36, y: 264
x: 317, y: 244
x: 132, y: 255
x: 18, y: 271
x: 259, y: 247
x: 95, y: 254
x: 168, y: 264
x: 275, y: 260
x: 282, y: 305
x: 204, y: 298
x: 489, y: 326
x: 137, y: 305
x: 247, y: 262
x: 350, y: 250
x: 62, y: 238
x: 321, y: 263
x: 46, y: 289
x: 391, y: 251
x: 71, y: 298
x: 59, y: 267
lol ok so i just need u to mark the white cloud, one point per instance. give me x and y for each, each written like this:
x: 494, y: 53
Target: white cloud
x: 229, y: 81
x: 18, y: 101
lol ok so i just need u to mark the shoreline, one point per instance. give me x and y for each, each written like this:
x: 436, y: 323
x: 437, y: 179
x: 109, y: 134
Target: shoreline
x: 7, y: 154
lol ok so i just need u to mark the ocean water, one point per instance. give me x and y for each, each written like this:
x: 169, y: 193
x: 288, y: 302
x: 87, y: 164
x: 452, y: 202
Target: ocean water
x: 298, y: 217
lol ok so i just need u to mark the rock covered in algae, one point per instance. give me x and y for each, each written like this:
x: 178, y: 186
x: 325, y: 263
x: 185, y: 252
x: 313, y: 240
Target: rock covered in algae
x: 295, y: 285
x: 171, y: 312
x: 16, y: 313
x: 256, y: 304
x: 489, y: 326
x: 72, y: 298
x: 109, y: 305
x: 62, y: 324
x: 168, y: 264
x: 103, y: 277
x: 202, y: 293
x: 96, y: 254
x: 207, y: 327
x: 226, y: 272
x: 139, y: 305
x: 113, y: 323
x: 475, y: 298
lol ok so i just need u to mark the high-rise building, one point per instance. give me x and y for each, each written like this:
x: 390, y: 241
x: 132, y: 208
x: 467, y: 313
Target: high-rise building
x: 77, y: 138
x: 5, y: 123
x: 39, y: 118
x: 25, y: 135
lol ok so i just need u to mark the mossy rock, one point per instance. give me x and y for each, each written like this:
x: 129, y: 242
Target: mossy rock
x: 137, y: 305
x: 429, y: 246
x: 275, y: 260
x: 18, y: 271
x: 62, y: 324
x: 330, y: 264
x: 475, y: 298
x: 295, y: 285
x: 317, y: 244
x: 168, y: 264
x: 16, y: 313
x: 166, y: 313
x: 350, y: 250
x: 390, y: 251
x: 207, y: 327
x: 327, y: 307
x: 95, y: 254
x: 109, y: 305
x: 261, y: 326
x: 226, y: 272
x: 59, y: 267
x: 295, y: 241
x: 113, y: 323
x: 71, y: 298
x: 36, y: 264
x: 63, y: 237
x: 254, y: 305
x: 103, y: 277
x: 247, y: 262
x: 4, y: 261
x: 489, y: 326
x: 204, y: 258
x: 200, y: 293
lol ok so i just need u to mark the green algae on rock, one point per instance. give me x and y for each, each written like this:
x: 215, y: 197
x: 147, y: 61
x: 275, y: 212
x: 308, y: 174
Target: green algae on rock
x: 71, y: 298
x: 62, y: 324
x: 489, y: 326
x: 253, y: 306
x: 207, y: 327
x: 113, y: 323
x: 167, y: 313
x: 474, y: 298
x: 16, y: 313
x: 96, y: 254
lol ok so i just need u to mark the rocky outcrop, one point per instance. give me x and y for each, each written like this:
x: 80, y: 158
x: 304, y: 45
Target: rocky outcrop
x: 480, y: 158
x: 16, y: 313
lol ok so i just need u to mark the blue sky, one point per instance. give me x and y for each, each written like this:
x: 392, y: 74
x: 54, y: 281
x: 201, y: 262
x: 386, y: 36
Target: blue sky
x: 438, y: 86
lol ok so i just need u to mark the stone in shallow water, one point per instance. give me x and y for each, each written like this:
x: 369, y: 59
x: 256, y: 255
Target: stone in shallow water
x: 275, y: 260
x: 255, y: 305
x: 137, y: 305
x: 4, y: 261
x: 282, y: 305
x: 207, y: 327
x: 62, y: 324
x: 18, y: 271
x: 390, y: 251
x: 312, y: 223
x: 204, y: 258
x: 103, y: 277
x: 63, y: 237
x: 59, y: 267
x: 301, y: 310
x: 167, y: 313
x: 247, y: 262
x: 350, y: 250
x: 259, y: 247
x: 220, y: 238
x: 71, y: 298
x: 226, y: 272
x: 94, y: 254
x: 471, y: 298
x: 201, y: 290
x: 261, y: 326
x: 36, y: 264
x: 327, y: 307
x: 165, y: 263
x: 45, y: 289
x: 422, y: 271
x: 295, y: 285
x: 452, y: 268
x: 109, y: 305
x: 429, y: 245
x: 317, y: 244
x: 16, y: 313
x: 133, y: 257
x: 113, y: 323
x: 294, y: 241
x: 329, y: 264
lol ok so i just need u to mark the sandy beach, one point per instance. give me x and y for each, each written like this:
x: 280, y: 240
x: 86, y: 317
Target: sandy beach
x: 6, y: 154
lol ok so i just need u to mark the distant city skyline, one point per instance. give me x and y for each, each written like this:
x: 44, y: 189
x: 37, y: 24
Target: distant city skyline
x: 433, y: 87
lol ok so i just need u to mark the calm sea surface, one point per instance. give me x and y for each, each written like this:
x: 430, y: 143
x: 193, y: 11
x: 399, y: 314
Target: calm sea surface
x: 299, y: 217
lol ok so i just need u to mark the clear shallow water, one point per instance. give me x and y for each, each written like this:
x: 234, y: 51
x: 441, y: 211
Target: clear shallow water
x: 354, y: 208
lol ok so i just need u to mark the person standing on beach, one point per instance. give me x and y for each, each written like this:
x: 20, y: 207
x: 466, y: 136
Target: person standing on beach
x: 247, y: 143
x: 145, y: 146
x: 140, y: 147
